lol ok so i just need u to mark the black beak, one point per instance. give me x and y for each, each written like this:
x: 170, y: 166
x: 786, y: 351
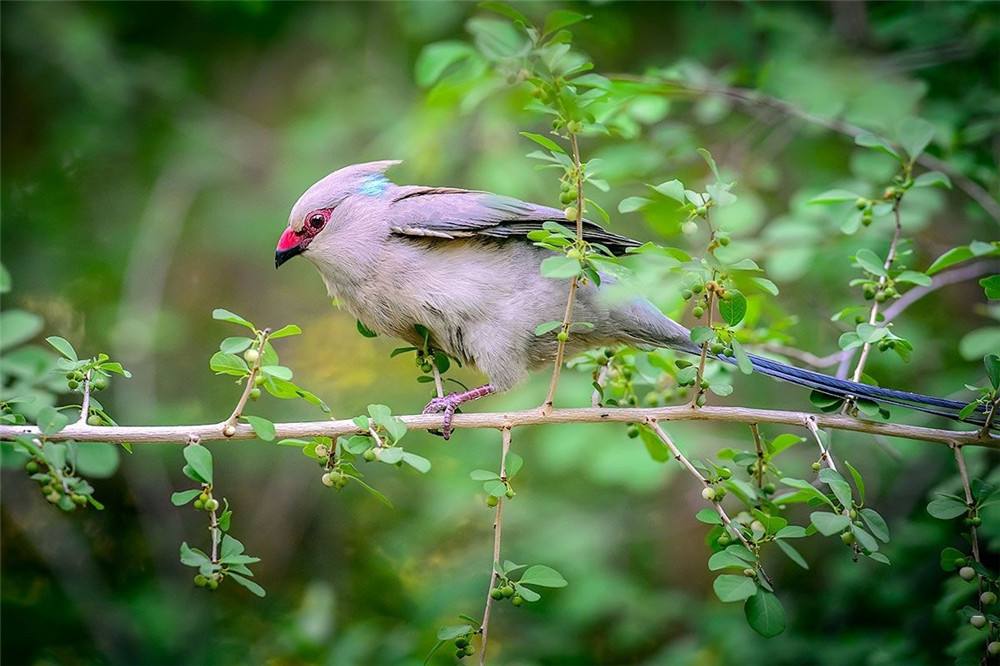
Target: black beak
x: 281, y: 256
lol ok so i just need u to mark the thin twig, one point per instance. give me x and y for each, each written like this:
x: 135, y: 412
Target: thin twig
x: 254, y: 369
x: 85, y: 406
x: 755, y: 431
x: 963, y: 472
x: 496, y: 420
x: 824, y: 453
x: 497, y: 533
x: 438, y: 384
x: 679, y: 457
x: 568, y: 314
x: 602, y: 377
x: 873, y: 315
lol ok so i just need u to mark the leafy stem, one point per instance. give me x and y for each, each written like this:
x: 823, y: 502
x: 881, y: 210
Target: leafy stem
x: 497, y: 534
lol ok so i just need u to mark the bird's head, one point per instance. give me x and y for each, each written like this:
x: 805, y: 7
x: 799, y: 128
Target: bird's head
x: 324, y: 207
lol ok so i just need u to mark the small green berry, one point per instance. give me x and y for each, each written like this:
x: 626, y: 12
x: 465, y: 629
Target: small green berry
x: 847, y: 537
x: 517, y: 600
x: 200, y: 581
x: 708, y: 493
x: 368, y: 455
x: 204, y: 497
x: 31, y: 467
x: 724, y: 241
x: 701, y: 400
x: 322, y: 450
x: 563, y: 336
x: 698, y: 311
x: 99, y: 382
x: 815, y: 466
x: 213, y: 584
x: 251, y: 356
x: 492, y: 501
x: 254, y: 393
x: 570, y: 212
x: 632, y: 431
x: 229, y: 430
x: 510, y: 493
x: 689, y: 228
x: 507, y: 591
x: 687, y: 294
x: 769, y: 489
x: 725, y: 539
x: 468, y: 650
x: 95, y: 420
x: 461, y: 642
x: 258, y: 380
x: 757, y: 526
x: 993, y: 648
x: 988, y: 598
x: 967, y: 573
x: 978, y: 621
x: 725, y: 473
x: 327, y: 480
x: 496, y: 594
x: 861, y: 203
x: 72, y: 384
x: 749, y: 573
x: 212, y: 504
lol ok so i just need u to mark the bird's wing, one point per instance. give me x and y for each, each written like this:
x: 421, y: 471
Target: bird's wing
x: 449, y: 213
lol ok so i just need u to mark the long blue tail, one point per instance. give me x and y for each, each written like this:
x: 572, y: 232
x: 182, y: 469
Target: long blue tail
x: 841, y: 388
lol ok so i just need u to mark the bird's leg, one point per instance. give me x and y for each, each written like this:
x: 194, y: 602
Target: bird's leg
x: 449, y: 403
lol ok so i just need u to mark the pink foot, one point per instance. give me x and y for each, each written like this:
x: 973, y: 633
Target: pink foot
x: 451, y: 402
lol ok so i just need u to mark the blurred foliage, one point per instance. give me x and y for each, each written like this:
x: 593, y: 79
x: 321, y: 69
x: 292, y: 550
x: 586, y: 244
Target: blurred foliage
x: 151, y: 153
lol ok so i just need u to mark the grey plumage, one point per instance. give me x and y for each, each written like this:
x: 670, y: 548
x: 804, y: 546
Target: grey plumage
x: 458, y: 262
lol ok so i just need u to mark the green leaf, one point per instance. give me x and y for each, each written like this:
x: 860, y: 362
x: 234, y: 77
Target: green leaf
x: 914, y: 277
x: 183, y: 497
x: 436, y: 58
x: 792, y: 553
x: 193, y: 557
x: 708, y: 516
x: 63, y: 347
x: 199, y: 459
x: 865, y: 540
x: 870, y: 261
x: 235, y: 345
x: 782, y: 442
x: 389, y: 454
x: 419, y: 463
x: 17, y: 326
x: 702, y: 334
x: 547, y: 327
x: 876, y: 524
x: 992, y: 363
x: 632, y: 204
x: 859, y: 482
x: 734, y: 308
x: 222, y: 363
x: 952, y: 558
x: 561, y: 18
x: 543, y: 141
x: 765, y: 285
x: 261, y: 427
x: 673, y: 189
x: 285, y: 331
x: 953, y: 256
x: 946, y: 508
x: 742, y: 359
x: 834, y: 196
x: 453, y: 632
x: 97, y: 460
x: 365, y: 331
x: 710, y: 161
x: 991, y: 285
x: 50, y: 421
x: 869, y: 140
x: 116, y: 368
x: 247, y: 583
x: 829, y: 523
x: 54, y: 454
x: 724, y: 560
x: 279, y: 371
x: 542, y: 576
x: 765, y: 614
x: 932, y: 179
x: 483, y: 475
x: 231, y: 317
x: 527, y: 593
x: 514, y: 464
x: 914, y: 135
x: 560, y: 267
x: 840, y: 487
x: 730, y: 587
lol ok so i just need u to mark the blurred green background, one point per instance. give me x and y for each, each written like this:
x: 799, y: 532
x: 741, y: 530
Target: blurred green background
x: 150, y: 155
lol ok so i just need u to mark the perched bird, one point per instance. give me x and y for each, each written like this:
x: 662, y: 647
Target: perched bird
x: 459, y: 263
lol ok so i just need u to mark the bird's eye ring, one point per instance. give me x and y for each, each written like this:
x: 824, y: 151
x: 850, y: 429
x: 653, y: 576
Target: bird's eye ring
x: 317, y: 221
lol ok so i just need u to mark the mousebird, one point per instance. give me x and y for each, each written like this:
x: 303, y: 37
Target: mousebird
x: 459, y: 263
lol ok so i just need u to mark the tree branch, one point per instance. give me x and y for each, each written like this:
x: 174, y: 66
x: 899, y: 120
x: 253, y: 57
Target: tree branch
x: 499, y: 420
x: 497, y: 532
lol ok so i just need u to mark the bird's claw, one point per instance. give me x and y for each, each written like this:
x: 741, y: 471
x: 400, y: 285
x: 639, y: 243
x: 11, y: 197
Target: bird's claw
x: 447, y: 404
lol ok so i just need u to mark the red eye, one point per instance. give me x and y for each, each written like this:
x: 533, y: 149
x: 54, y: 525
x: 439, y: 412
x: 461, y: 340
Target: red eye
x: 317, y: 221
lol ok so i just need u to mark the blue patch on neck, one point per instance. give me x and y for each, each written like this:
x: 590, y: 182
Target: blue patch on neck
x: 373, y: 186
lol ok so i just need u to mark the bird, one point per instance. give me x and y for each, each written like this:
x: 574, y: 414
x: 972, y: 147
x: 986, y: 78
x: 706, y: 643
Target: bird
x: 407, y: 259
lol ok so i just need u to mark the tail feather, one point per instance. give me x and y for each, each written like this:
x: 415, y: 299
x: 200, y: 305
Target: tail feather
x: 841, y: 388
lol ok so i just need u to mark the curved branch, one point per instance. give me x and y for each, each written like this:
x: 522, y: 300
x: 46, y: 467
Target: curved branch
x: 501, y: 420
